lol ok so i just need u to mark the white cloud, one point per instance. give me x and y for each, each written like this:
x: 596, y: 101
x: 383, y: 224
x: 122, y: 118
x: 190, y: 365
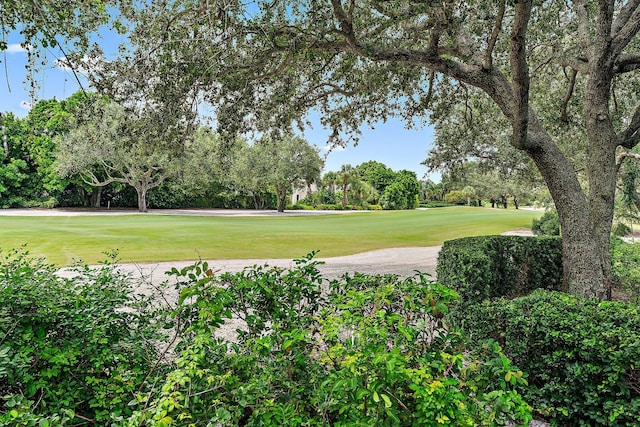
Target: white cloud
x: 62, y: 63
x: 328, y: 148
x: 85, y: 65
x: 15, y: 48
x: 26, y: 105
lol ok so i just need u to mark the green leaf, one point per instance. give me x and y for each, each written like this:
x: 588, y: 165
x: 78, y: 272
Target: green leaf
x: 387, y: 401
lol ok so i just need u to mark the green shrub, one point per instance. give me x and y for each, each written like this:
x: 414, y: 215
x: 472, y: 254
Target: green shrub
x: 621, y: 229
x: 369, y: 350
x: 547, y: 225
x: 300, y: 207
x: 625, y: 265
x: 79, y: 347
x: 435, y: 204
x: 330, y: 207
x: 456, y: 197
x: 374, y: 207
x: 13, y: 202
x: 581, y: 355
x: 493, y: 266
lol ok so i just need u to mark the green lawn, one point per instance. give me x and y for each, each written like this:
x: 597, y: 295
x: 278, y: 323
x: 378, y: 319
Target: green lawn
x: 145, y: 238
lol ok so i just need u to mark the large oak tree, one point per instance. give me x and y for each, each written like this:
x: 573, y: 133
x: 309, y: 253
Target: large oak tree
x: 265, y: 64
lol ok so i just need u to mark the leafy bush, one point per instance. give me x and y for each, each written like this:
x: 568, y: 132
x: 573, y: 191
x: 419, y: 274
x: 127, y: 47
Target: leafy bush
x: 300, y: 207
x: 485, y: 267
x: 369, y: 350
x: 581, y: 355
x: 330, y: 207
x: 456, y: 197
x: 620, y: 229
x: 435, y: 204
x: 79, y: 347
x: 625, y: 265
x: 547, y: 225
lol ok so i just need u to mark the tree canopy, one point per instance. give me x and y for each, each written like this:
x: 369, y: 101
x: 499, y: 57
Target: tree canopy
x: 280, y: 163
x: 65, y: 25
x: 112, y: 144
x: 555, y: 73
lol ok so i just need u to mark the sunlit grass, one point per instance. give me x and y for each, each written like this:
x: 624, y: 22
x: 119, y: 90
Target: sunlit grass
x: 147, y: 238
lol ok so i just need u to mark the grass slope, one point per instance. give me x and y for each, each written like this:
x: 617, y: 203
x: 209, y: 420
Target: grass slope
x: 147, y: 238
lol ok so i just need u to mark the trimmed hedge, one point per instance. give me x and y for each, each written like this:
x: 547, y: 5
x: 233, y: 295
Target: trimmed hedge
x: 581, y: 355
x: 484, y: 267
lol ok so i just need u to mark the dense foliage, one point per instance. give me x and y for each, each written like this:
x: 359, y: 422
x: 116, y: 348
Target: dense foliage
x: 547, y: 225
x: 71, y: 349
x: 27, y: 173
x: 366, y: 350
x: 485, y: 267
x: 86, y: 151
x: 370, y: 185
x: 625, y: 266
x: 371, y: 351
x: 580, y: 354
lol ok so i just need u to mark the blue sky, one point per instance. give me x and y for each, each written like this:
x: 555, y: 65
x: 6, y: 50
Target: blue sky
x: 389, y: 143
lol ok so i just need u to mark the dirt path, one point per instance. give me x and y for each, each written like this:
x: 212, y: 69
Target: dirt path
x: 401, y: 261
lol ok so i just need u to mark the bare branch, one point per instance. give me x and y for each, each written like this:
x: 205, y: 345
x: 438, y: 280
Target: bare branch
x: 627, y: 63
x: 579, y: 64
x: 628, y: 31
x: 520, y: 72
x: 563, y: 109
x: 624, y: 15
x: 583, y: 25
x: 283, y: 65
x: 497, y: 27
x: 620, y: 158
x: 346, y: 26
x: 631, y: 136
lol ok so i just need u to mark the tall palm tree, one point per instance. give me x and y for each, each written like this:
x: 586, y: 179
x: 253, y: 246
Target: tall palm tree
x: 345, y: 175
x: 329, y: 181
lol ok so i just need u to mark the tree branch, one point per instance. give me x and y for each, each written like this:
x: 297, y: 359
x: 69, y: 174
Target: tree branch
x: 488, y: 56
x: 563, y: 109
x: 335, y: 90
x: 583, y: 25
x: 624, y: 16
x: 346, y: 26
x: 520, y: 72
x: 631, y: 136
x: 628, y: 31
x: 620, y: 158
x: 279, y: 69
x: 627, y: 64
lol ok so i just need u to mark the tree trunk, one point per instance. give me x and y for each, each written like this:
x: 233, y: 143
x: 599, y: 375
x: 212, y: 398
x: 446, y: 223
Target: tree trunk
x: 281, y: 194
x: 582, y: 255
x: 602, y: 169
x: 344, y: 196
x: 515, y: 202
x: 142, y: 198
x: 96, y: 195
x: 5, y: 144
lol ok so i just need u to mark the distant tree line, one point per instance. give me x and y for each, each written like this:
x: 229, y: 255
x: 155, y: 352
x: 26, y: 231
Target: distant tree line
x: 370, y: 185
x: 88, y: 151
x: 92, y: 152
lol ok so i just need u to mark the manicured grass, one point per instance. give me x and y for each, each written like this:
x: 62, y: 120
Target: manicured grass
x: 147, y: 238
